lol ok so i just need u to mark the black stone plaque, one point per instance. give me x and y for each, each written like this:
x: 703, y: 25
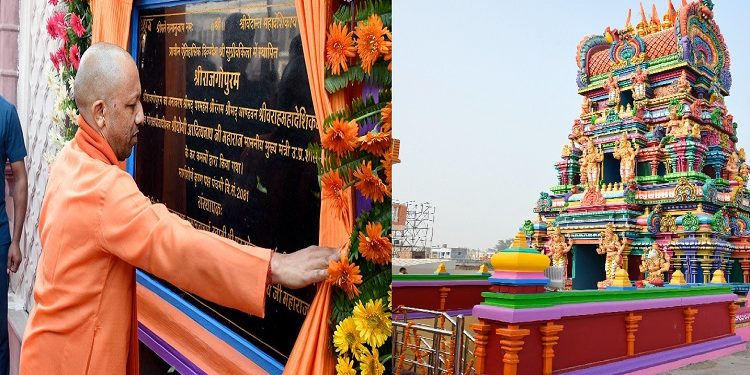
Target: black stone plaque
x: 228, y: 119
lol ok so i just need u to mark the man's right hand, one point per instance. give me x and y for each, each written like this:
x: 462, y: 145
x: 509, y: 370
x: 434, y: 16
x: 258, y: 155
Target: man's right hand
x: 303, y: 267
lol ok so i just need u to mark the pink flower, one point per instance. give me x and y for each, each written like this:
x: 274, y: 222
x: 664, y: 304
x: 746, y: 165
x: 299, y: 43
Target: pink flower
x: 77, y: 25
x: 55, y: 60
x: 61, y: 57
x: 53, y: 2
x: 56, y: 25
x: 75, y: 56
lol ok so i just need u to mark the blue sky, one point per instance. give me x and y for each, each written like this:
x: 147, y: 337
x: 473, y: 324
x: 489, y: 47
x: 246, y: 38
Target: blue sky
x: 485, y: 95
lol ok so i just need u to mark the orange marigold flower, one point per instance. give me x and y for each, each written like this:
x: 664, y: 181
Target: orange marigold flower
x: 369, y: 184
x: 370, y: 41
x: 346, y: 276
x: 387, y: 166
x: 385, y: 117
x: 389, y: 54
x: 375, y: 143
x: 373, y: 246
x: 333, y: 188
x: 341, y: 136
x: 339, y: 48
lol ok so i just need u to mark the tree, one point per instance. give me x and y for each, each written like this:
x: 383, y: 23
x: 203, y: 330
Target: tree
x: 503, y: 244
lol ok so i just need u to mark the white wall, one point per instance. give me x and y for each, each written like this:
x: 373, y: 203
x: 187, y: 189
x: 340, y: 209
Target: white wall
x: 34, y: 102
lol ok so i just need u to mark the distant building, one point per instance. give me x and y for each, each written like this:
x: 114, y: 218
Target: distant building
x: 454, y: 253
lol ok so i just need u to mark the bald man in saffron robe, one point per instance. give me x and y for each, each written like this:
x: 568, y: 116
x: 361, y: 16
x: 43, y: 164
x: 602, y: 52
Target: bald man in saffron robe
x: 96, y: 227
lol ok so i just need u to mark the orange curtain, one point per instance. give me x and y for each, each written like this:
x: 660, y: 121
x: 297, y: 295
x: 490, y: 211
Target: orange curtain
x: 111, y: 21
x: 311, y: 353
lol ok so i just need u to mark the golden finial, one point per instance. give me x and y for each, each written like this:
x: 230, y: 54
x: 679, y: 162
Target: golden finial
x: 483, y: 268
x: 621, y: 278
x: 642, y: 27
x: 718, y: 277
x: 678, y: 278
x: 441, y: 269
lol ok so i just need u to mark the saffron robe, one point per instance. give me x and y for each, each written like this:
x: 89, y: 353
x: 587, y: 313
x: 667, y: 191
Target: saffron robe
x: 95, y: 228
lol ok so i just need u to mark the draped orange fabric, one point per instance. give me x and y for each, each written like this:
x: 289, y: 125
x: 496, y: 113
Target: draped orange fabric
x: 111, y: 21
x: 311, y: 353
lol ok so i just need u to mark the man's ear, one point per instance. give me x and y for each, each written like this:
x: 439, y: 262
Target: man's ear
x: 97, y: 114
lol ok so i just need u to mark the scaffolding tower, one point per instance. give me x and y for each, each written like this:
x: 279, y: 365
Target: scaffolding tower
x: 412, y: 229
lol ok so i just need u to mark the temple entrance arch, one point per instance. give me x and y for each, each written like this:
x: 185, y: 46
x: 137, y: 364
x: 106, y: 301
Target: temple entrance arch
x: 611, y: 169
x: 588, y: 267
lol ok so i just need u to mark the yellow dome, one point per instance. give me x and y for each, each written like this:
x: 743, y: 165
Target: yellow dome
x: 520, y: 259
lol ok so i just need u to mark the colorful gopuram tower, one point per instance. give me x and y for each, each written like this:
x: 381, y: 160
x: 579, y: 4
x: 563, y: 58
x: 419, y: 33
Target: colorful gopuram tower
x: 653, y: 156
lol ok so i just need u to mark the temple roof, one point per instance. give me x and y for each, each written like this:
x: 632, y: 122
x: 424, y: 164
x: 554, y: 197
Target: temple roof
x: 690, y: 34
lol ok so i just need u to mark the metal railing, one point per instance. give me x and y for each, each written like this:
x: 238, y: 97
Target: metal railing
x: 443, y: 348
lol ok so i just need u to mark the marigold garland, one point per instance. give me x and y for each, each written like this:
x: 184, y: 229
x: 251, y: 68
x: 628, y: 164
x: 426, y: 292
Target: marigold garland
x: 355, y: 153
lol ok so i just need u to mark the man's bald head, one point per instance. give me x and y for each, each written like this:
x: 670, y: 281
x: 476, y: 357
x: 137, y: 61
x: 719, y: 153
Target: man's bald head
x: 103, y: 68
x: 108, y: 92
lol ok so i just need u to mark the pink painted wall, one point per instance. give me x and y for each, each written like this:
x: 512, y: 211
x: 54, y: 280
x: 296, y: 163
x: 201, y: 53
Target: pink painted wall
x: 9, y: 49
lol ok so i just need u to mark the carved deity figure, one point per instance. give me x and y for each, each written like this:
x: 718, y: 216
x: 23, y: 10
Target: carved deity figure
x: 684, y: 128
x: 695, y: 132
x: 613, y: 89
x: 611, y: 245
x: 640, y: 79
x: 591, y: 164
x: 744, y: 173
x: 673, y: 126
x: 732, y: 168
x: 625, y: 152
x: 728, y: 123
x: 696, y: 108
x: 577, y: 134
x: 586, y: 106
x: 654, y: 263
x: 566, y: 150
x: 558, y: 248
x: 683, y: 85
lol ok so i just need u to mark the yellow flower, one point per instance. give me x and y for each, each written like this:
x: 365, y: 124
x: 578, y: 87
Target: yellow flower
x: 370, y: 364
x: 373, y: 324
x: 345, y: 366
x: 346, y: 338
x: 390, y: 297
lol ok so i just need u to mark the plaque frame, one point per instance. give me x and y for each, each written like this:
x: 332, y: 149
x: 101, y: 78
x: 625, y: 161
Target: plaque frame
x: 154, y: 342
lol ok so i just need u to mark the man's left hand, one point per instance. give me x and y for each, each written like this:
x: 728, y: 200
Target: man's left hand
x: 14, y: 257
